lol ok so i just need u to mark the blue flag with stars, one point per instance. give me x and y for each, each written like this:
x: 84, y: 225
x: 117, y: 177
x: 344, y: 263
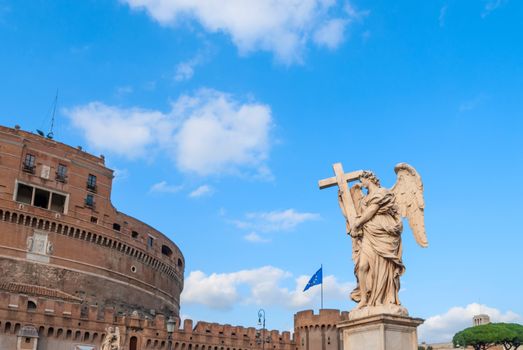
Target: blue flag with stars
x: 317, y: 278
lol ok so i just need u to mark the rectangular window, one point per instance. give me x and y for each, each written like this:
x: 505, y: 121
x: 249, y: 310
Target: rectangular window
x: 58, y: 202
x: 41, y: 199
x: 89, y: 201
x: 29, y: 163
x: 61, y: 173
x: 24, y: 194
x: 150, y: 241
x: 91, y: 182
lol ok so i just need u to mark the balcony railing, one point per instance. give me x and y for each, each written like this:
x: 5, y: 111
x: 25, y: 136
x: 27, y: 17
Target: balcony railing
x: 61, y: 178
x: 28, y: 168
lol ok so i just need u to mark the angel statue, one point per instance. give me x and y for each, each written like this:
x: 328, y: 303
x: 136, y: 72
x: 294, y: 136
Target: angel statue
x: 112, y: 339
x: 374, y: 221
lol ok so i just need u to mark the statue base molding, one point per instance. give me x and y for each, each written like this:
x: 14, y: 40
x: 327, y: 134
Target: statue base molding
x: 389, y: 309
x: 380, y: 332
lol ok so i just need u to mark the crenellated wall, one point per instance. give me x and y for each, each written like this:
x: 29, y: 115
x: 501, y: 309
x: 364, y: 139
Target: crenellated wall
x: 318, y: 331
x: 63, y: 324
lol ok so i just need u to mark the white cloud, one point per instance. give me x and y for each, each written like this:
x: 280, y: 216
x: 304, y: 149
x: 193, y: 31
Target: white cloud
x: 164, y: 187
x: 491, y: 6
x: 204, y: 190
x: 283, y: 220
x: 253, y: 237
x: 441, y: 328
x: 218, y: 134
x: 126, y: 132
x: 283, y: 27
x: 207, y: 133
x: 184, y: 71
x: 331, y: 33
x: 261, y: 286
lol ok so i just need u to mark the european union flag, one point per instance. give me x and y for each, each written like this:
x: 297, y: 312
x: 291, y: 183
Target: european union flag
x: 317, y: 278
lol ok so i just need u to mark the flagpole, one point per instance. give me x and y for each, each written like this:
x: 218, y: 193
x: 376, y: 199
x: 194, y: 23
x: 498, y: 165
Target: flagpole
x: 322, y: 286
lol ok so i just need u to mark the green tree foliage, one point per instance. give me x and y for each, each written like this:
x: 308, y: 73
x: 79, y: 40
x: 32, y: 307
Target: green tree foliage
x: 510, y: 335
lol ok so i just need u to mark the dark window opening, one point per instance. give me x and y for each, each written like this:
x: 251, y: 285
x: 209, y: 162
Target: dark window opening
x: 91, y: 182
x: 58, y: 202
x: 61, y: 173
x: 31, y: 305
x: 94, y: 220
x: 166, y: 250
x: 41, y: 199
x: 180, y: 263
x: 29, y: 163
x: 150, y: 241
x: 27, y: 340
x: 116, y: 227
x: 134, y: 234
x: 89, y: 201
x: 24, y: 194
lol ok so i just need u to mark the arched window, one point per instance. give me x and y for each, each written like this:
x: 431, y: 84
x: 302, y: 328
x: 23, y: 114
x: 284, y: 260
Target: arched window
x: 166, y: 250
x: 31, y: 305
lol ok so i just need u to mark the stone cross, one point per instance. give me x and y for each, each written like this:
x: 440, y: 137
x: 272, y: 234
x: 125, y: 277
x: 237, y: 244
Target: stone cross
x: 341, y: 179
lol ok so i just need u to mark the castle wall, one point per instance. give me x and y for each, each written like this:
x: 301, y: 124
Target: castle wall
x: 8, y: 341
x: 62, y: 325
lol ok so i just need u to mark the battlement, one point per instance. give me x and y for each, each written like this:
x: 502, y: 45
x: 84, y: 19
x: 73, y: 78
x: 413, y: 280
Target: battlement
x: 233, y: 332
x: 68, y: 320
x: 326, y: 317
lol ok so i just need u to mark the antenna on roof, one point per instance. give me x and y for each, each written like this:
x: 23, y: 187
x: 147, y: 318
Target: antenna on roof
x: 50, y: 134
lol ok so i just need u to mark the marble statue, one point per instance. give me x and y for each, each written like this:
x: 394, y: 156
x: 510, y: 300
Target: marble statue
x: 112, y: 339
x: 373, y: 216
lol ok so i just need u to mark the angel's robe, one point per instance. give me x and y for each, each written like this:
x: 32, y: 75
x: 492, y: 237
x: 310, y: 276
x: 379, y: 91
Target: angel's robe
x: 381, y: 248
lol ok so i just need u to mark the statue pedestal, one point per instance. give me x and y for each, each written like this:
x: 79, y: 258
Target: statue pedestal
x: 380, y: 332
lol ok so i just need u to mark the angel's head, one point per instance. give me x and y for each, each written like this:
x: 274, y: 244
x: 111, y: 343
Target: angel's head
x: 368, y: 177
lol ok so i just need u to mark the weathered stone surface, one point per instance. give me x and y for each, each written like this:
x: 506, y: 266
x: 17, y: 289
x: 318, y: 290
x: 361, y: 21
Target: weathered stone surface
x: 380, y: 332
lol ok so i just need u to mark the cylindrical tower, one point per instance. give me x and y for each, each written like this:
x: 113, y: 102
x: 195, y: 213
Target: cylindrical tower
x: 61, y: 237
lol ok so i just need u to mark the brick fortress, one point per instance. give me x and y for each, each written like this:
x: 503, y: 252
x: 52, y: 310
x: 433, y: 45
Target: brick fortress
x: 74, y: 269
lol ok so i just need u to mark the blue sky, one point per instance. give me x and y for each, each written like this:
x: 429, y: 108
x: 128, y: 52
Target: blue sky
x: 220, y: 120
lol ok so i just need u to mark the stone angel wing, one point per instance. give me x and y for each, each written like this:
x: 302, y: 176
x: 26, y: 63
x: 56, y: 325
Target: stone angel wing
x: 408, y: 190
